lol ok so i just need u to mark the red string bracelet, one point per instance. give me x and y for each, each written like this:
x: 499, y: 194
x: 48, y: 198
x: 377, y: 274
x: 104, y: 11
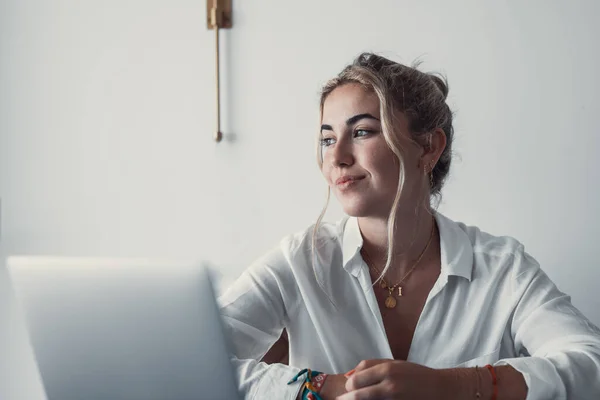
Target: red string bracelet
x: 494, y: 381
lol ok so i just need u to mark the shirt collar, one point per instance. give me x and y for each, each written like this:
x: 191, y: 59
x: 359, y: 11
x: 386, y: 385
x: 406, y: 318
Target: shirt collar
x: 352, y: 242
x: 456, y: 249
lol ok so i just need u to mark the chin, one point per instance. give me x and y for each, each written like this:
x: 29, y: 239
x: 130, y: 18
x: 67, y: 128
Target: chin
x: 354, y: 213
x: 359, y: 206
x: 356, y: 208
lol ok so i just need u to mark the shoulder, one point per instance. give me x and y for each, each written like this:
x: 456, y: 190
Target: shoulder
x: 296, y: 250
x: 489, y: 244
x: 325, y: 234
x: 276, y: 276
x: 497, y: 256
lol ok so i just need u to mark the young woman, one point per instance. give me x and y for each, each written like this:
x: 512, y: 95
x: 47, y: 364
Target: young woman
x: 412, y: 304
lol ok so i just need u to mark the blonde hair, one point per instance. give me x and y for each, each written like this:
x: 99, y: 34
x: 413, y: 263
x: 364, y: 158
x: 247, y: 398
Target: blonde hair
x: 421, y: 97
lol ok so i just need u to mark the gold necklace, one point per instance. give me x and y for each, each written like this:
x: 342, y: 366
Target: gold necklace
x: 390, y: 301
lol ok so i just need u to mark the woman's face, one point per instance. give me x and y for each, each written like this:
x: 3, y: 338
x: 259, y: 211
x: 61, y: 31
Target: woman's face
x: 358, y: 165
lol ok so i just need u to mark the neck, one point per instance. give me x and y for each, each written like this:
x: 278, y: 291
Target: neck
x: 411, y: 236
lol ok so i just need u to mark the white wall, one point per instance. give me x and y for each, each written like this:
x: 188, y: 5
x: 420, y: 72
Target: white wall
x: 107, y: 115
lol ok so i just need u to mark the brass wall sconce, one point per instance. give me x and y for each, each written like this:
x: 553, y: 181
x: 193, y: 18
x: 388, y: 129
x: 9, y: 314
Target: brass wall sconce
x: 218, y: 16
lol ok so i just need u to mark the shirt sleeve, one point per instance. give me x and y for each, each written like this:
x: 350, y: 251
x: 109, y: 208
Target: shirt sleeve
x: 253, y: 310
x: 561, y: 347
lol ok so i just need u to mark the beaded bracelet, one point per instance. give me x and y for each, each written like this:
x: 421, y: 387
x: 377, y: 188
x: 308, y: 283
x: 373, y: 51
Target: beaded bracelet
x: 478, y: 392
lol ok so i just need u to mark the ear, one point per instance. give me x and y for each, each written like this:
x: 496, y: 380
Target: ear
x: 433, y: 148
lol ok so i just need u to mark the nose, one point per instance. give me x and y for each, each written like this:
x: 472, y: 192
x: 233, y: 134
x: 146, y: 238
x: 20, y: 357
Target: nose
x: 342, y: 155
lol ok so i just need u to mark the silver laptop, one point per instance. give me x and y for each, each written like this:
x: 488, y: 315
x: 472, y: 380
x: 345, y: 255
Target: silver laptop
x: 123, y: 329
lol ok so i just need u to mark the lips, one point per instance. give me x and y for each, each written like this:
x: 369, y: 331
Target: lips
x: 348, y: 179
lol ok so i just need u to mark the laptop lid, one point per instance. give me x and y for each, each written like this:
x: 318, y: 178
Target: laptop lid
x: 123, y: 329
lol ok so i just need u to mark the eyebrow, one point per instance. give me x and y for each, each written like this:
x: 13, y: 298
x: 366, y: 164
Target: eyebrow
x: 351, y: 121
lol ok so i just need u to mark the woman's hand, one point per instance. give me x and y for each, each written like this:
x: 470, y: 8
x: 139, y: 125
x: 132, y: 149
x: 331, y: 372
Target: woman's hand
x: 391, y: 379
x: 334, y: 386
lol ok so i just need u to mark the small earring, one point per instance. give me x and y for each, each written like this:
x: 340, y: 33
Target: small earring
x: 431, y: 175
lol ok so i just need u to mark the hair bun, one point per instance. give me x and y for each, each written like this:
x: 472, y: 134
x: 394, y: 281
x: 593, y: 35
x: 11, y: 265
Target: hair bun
x: 442, y: 84
x: 373, y: 61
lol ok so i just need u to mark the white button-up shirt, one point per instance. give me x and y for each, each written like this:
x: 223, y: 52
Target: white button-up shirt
x: 491, y: 304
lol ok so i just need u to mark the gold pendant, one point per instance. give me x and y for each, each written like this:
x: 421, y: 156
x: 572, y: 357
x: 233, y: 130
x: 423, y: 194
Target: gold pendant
x: 390, y: 302
x: 400, y: 291
x: 382, y: 284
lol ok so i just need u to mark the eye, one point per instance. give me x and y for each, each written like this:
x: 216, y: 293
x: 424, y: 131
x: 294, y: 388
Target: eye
x: 362, y: 132
x: 326, y: 142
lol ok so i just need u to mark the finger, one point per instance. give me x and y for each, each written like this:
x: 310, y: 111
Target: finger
x: 377, y: 392
x: 366, y: 364
x: 368, y: 377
